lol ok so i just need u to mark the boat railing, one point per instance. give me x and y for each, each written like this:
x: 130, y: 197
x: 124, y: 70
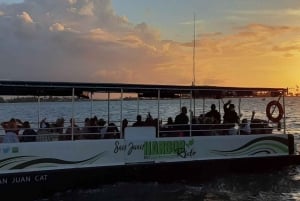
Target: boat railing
x: 117, y: 132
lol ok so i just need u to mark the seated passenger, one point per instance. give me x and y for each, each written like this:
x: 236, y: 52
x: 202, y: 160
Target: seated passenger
x: 169, y: 123
x: 124, y: 125
x: 102, y: 129
x: 112, y: 132
x: 94, y: 128
x: 245, y: 128
x: 182, y: 118
x: 231, y: 118
x: 44, y: 132
x: 29, y: 135
x: 85, y: 130
x: 214, y: 114
x: 181, y: 121
x: 138, y: 122
x: 11, y: 130
x: 76, y: 130
x: 149, y: 120
x: 58, y: 127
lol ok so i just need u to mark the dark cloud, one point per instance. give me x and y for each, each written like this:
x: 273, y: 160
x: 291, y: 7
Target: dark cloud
x: 75, y: 40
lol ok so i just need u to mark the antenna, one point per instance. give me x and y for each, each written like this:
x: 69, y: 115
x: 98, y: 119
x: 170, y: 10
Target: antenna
x: 194, y: 79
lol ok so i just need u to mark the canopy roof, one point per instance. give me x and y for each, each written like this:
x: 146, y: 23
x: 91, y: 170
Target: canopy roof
x: 37, y: 88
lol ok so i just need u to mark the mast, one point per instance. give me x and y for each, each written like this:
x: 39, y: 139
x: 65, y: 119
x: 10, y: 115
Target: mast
x: 194, y: 78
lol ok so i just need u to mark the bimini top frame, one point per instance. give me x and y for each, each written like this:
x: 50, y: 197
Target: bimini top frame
x: 36, y: 88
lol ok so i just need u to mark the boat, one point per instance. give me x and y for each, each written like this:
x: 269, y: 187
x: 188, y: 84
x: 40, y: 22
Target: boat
x: 147, y: 152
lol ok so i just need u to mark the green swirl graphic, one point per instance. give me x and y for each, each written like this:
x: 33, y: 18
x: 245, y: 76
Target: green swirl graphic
x: 266, y: 145
x: 23, y: 162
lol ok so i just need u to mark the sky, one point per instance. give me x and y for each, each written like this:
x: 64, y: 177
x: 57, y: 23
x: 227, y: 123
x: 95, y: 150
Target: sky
x: 237, y: 42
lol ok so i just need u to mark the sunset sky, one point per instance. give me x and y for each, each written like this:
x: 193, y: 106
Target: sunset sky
x: 238, y: 42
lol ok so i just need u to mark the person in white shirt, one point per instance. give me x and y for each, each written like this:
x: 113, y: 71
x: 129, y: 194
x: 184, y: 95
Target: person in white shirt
x: 11, y: 130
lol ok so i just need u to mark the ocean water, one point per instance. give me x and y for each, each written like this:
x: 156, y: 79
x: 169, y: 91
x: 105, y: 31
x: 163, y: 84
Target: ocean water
x: 283, y: 184
x: 271, y: 186
x: 110, y: 110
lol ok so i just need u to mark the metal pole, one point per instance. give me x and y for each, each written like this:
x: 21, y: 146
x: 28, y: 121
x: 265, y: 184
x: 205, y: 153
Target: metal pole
x: 39, y: 111
x: 239, y: 107
x: 191, y: 112
x: 158, y: 114
x: 91, y: 115
x: 284, y: 122
x: 72, y: 122
x: 180, y: 101
x: 138, y: 105
x: 219, y: 106
x: 108, y: 107
x: 121, y: 115
x: 203, y: 106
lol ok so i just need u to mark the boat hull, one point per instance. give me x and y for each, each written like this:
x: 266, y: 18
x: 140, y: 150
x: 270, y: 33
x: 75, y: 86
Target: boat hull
x: 39, y: 184
x: 40, y: 168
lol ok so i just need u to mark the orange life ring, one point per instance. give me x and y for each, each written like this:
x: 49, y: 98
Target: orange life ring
x: 269, y: 113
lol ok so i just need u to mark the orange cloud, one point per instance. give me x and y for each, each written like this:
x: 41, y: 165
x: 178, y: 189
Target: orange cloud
x: 254, y: 51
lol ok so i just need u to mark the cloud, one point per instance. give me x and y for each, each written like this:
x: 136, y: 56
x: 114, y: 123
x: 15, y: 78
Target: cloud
x: 25, y: 17
x: 264, y: 12
x: 57, y: 27
x: 85, y: 40
x: 77, y: 40
x: 249, y: 40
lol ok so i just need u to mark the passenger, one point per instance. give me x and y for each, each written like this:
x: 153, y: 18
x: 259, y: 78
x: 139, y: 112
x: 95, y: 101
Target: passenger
x: 230, y: 118
x: 44, y: 127
x: 85, y: 130
x: 245, y: 128
x: 29, y: 135
x: 76, y: 130
x: 138, y: 122
x: 58, y: 127
x: 201, y: 119
x: 169, y: 123
x: 11, y: 130
x: 112, y: 132
x: 124, y: 125
x: 214, y: 114
x: 205, y: 126
x: 94, y: 128
x: 181, y: 120
x: 149, y: 120
x: 44, y: 132
x: 102, y: 129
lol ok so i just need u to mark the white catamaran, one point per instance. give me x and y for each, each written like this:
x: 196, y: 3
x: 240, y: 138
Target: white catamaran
x: 147, y: 152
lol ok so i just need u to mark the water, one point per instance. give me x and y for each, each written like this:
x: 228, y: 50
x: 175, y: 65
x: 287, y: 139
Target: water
x: 272, y: 186
x: 276, y: 185
x: 34, y: 112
